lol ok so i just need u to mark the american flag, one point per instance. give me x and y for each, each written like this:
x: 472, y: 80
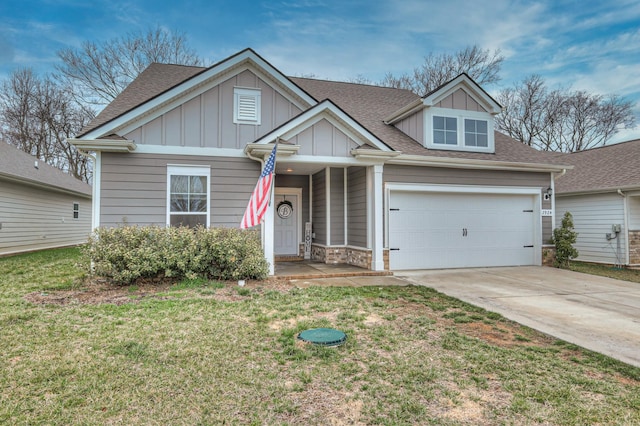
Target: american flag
x: 261, y: 196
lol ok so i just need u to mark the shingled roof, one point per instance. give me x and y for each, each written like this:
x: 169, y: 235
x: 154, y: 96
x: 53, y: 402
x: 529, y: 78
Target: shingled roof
x: 19, y: 166
x: 606, y: 168
x: 367, y: 104
x: 153, y: 81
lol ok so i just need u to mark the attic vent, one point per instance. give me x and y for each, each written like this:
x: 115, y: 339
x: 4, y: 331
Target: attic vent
x: 246, y: 106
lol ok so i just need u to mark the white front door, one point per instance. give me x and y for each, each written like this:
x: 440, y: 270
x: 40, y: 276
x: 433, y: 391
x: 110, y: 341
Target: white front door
x: 286, y: 237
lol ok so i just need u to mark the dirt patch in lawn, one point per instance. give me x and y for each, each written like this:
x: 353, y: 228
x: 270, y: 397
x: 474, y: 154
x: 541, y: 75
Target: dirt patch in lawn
x: 99, y: 291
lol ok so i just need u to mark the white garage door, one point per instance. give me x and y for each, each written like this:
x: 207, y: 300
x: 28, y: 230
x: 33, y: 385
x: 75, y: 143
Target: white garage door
x: 429, y: 230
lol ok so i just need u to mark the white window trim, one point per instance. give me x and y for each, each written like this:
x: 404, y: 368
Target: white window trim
x: 73, y: 215
x: 460, y: 116
x: 248, y: 94
x: 186, y: 170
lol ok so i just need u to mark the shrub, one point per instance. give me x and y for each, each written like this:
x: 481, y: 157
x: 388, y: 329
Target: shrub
x: 564, y: 238
x: 127, y: 253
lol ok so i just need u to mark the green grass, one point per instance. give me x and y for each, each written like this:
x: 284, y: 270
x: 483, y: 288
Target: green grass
x: 213, y: 353
x: 624, y: 274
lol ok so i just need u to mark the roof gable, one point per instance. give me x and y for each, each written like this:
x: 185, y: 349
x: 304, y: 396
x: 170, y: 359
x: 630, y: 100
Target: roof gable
x: 470, y: 87
x: 150, y: 95
x: 325, y: 110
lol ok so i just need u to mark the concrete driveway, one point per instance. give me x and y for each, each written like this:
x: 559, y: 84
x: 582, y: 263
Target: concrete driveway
x: 600, y: 314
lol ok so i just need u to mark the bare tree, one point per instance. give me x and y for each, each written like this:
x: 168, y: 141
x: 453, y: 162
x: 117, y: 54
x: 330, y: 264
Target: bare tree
x: 481, y: 65
x: 98, y: 72
x: 560, y: 120
x: 37, y: 115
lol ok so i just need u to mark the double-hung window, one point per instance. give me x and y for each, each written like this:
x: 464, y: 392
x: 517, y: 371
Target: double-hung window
x: 188, y: 195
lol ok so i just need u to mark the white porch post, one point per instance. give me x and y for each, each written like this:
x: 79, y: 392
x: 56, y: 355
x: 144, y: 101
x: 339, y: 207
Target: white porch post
x: 95, y: 200
x: 268, y: 230
x: 377, y: 214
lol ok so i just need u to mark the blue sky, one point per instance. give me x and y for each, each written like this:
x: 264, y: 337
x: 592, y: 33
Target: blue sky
x: 583, y: 44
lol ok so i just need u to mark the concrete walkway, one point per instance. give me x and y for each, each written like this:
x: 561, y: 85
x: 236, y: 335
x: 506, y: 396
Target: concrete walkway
x: 600, y: 314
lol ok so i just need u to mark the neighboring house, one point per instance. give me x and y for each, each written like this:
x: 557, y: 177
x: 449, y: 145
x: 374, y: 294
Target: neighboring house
x: 376, y: 177
x: 602, y: 193
x: 40, y: 206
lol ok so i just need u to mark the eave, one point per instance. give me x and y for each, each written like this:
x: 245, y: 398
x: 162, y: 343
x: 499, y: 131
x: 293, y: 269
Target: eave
x: 103, y: 145
x: 466, y: 163
x: 42, y: 185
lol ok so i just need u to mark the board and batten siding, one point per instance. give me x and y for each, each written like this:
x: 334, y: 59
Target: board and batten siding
x: 134, y: 187
x: 460, y: 100
x: 324, y: 139
x: 593, y: 216
x: 34, y: 218
x: 357, y: 207
x: 337, y: 206
x: 413, y: 126
x: 501, y: 178
x: 207, y: 119
x: 319, y: 207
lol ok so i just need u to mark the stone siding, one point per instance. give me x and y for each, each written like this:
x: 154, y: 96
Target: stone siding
x: 548, y: 255
x: 359, y: 257
x: 634, y: 247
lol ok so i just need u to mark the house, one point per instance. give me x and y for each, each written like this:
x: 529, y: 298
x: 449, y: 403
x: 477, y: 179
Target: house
x: 602, y: 192
x: 40, y: 206
x: 371, y: 176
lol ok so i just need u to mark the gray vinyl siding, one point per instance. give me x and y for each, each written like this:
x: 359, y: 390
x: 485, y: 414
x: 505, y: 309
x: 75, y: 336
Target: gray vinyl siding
x: 444, y: 176
x: 319, y: 208
x: 297, y: 181
x: 337, y: 206
x: 34, y: 218
x: 593, y: 216
x: 134, y: 187
x: 634, y: 212
x: 207, y: 119
x: 357, y: 207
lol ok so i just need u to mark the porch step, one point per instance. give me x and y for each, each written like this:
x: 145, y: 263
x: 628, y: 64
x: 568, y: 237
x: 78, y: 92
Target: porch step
x: 297, y: 270
x: 310, y: 276
x: 289, y: 259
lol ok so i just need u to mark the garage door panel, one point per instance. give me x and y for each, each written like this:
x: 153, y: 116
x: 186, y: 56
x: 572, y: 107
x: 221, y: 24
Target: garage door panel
x: 451, y: 230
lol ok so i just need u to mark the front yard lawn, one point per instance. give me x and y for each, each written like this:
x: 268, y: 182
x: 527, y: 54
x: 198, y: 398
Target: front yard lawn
x: 200, y: 352
x: 624, y: 274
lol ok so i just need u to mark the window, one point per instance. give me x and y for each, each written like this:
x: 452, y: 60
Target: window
x: 188, y: 196
x: 76, y: 210
x: 458, y: 130
x: 445, y: 130
x: 246, y: 106
x: 475, y: 133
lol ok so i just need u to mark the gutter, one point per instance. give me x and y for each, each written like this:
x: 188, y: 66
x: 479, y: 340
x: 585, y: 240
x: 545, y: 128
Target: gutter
x: 420, y: 160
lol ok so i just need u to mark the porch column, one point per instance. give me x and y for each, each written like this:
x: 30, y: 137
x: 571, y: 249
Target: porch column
x: 268, y: 231
x: 377, y: 243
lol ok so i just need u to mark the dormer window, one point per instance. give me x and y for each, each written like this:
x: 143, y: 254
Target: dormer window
x: 458, y: 130
x: 246, y: 106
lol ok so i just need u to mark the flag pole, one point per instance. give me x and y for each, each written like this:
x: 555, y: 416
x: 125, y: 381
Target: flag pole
x: 275, y: 161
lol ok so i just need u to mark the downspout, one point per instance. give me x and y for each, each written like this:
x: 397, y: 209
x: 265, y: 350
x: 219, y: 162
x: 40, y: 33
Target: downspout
x: 553, y: 197
x: 94, y: 187
x: 626, y: 228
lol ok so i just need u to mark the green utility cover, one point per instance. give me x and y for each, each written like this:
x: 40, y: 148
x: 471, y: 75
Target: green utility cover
x: 323, y: 336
